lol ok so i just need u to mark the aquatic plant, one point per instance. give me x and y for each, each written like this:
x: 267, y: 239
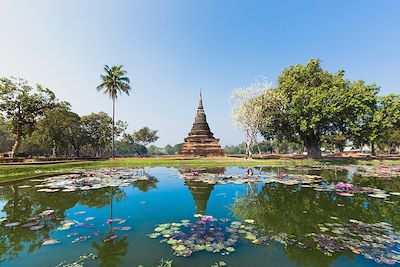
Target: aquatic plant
x: 206, y: 233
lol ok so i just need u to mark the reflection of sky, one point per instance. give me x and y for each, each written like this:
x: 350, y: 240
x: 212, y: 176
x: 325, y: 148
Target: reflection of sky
x: 2, y: 204
x: 171, y: 201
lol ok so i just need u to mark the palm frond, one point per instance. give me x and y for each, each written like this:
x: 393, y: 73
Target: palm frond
x: 114, y: 82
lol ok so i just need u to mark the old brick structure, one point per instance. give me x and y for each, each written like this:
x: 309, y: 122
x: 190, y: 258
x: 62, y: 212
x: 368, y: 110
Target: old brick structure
x: 201, y: 141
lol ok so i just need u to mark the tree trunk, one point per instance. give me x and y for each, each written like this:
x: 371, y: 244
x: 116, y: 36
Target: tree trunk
x: 77, y: 151
x: 54, y: 150
x: 248, y: 149
x: 16, y: 145
x: 313, y: 148
x: 258, y: 148
x: 113, y: 129
x: 373, y: 152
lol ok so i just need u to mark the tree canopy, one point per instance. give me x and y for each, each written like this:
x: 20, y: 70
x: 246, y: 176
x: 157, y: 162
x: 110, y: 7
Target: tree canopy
x: 23, y: 105
x: 310, y: 102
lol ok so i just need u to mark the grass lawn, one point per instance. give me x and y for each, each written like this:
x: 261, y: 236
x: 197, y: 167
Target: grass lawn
x: 25, y: 171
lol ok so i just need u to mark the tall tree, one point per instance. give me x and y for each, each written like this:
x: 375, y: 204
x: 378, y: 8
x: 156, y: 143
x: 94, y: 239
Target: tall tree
x: 386, y: 121
x: 145, y: 136
x: 53, y: 127
x: 22, y: 105
x: 114, y: 82
x: 316, y: 103
x: 247, y: 114
x: 99, y: 130
x: 5, y: 135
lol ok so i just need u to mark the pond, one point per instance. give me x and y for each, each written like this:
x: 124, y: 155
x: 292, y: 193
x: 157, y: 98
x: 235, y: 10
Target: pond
x: 303, y: 216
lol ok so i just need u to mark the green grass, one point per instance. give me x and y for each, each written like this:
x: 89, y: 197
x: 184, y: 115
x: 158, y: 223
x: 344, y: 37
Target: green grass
x: 25, y: 171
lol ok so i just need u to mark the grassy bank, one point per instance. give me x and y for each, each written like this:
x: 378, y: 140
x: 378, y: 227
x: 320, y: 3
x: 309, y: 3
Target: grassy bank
x: 24, y: 171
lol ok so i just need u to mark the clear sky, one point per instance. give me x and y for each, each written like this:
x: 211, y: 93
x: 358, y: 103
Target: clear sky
x: 171, y: 49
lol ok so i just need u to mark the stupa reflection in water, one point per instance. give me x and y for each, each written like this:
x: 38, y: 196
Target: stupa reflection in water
x: 201, y: 191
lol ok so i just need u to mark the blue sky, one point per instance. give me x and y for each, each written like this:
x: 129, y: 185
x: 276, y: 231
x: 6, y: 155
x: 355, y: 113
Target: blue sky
x: 171, y: 49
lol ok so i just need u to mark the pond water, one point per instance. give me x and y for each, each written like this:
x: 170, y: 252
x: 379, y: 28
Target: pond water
x: 255, y: 217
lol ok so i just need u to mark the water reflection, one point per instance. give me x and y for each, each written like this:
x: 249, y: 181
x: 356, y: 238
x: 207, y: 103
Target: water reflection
x: 109, y: 251
x: 201, y: 191
x: 24, y: 204
x: 277, y: 209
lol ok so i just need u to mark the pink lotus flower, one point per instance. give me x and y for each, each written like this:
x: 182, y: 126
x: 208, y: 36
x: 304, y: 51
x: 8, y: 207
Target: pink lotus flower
x: 109, y: 221
x: 344, y: 185
x: 206, y: 218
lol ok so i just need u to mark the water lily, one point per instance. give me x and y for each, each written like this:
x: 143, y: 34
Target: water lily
x: 344, y: 185
x: 207, y: 218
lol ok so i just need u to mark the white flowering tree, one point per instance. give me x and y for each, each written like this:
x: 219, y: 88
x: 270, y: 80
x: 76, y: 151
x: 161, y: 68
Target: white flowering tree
x: 247, y: 113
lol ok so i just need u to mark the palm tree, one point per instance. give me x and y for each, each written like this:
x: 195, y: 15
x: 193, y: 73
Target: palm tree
x: 114, y: 82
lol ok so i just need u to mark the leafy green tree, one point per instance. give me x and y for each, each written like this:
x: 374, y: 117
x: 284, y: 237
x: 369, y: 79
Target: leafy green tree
x: 145, y: 136
x: 155, y: 151
x: 58, y: 132
x: 383, y: 119
x: 5, y: 135
x: 316, y: 103
x: 391, y: 140
x: 234, y: 150
x: 76, y: 133
x: 99, y: 130
x: 114, y: 82
x: 127, y: 147
x: 178, y: 148
x: 23, y: 105
x: 334, y: 141
x: 169, y: 150
x: 53, y: 127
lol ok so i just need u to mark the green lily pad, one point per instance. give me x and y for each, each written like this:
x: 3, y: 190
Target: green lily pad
x: 180, y: 248
x: 154, y: 235
x: 250, y: 236
x: 230, y: 249
x: 172, y: 241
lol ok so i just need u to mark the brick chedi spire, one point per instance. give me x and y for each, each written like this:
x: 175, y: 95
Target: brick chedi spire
x: 201, y: 141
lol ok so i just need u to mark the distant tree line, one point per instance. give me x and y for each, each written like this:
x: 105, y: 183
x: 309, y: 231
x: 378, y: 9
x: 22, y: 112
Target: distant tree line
x: 34, y: 123
x: 167, y: 150
x: 266, y: 147
x: 313, y: 108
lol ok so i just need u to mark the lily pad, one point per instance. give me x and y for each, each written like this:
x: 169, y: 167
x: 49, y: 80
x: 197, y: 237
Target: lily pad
x: 36, y: 227
x: 50, y: 241
x: 230, y: 249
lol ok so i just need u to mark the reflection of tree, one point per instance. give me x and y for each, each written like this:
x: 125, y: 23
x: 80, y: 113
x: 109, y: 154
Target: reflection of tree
x: 210, y: 170
x: 24, y: 204
x: 111, y: 252
x: 388, y: 184
x: 282, y: 209
x: 146, y: 185
x: 21, y: 205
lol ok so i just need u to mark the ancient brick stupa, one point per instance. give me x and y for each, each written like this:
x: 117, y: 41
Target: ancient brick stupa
x: 201, y: 141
